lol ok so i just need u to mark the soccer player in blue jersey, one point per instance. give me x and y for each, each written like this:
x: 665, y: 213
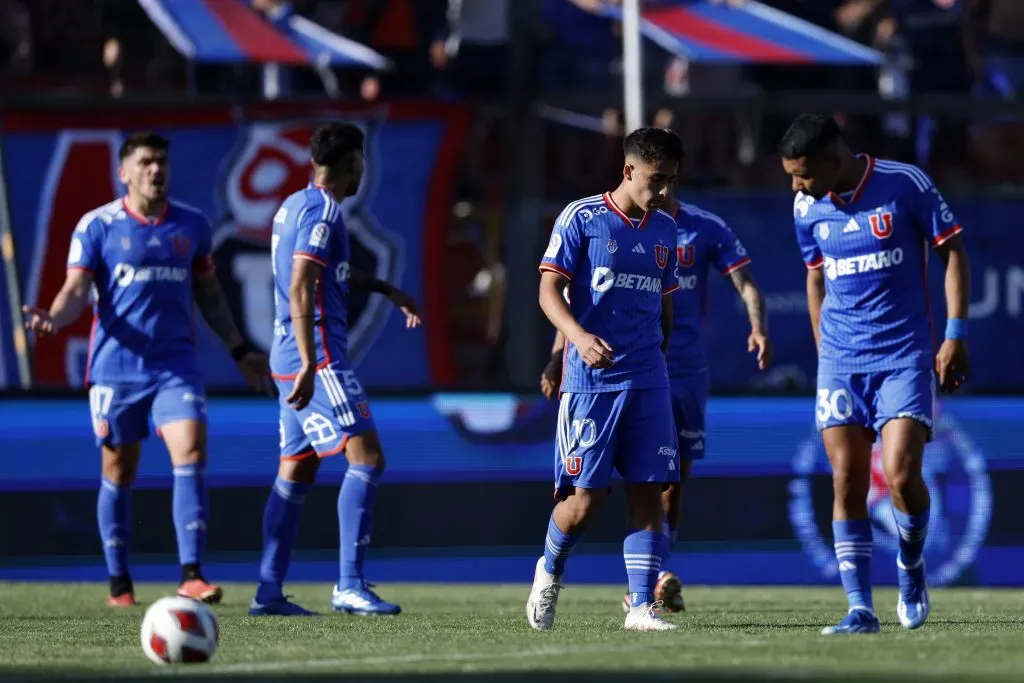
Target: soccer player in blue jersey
x: 703, y: 240
x: 324, y: 410
x: 148, y: 259
x: 864, y: 227
x: 613, y: 252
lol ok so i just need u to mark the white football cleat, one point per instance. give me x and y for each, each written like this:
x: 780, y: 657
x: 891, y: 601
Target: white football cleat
x: 645, y: 618
x: 540, y: 606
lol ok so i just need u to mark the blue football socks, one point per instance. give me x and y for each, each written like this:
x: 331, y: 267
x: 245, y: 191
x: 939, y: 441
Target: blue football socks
x: 913, y: 532
x: 853, y: 551
x: 113, y: 508
x: 280, y: 528
x: 643, y: 551
x: 355, y: 521
x: 557, y: 547
x: 189, y: 506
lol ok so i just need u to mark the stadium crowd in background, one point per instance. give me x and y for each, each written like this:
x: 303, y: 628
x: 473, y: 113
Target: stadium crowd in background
x: 460, y: 50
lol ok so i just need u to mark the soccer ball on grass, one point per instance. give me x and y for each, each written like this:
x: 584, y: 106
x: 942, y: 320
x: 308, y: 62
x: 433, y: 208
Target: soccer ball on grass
x: 179, y: 630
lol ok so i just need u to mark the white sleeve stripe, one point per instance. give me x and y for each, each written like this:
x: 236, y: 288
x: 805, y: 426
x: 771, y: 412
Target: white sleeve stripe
x: 920, y: 180
x: 570, y: 210
x: 914, y: 171
x: 326, y: 214
x: 701, y: 213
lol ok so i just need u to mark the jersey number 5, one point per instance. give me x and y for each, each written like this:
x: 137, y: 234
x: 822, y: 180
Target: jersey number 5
x: 835, y: 405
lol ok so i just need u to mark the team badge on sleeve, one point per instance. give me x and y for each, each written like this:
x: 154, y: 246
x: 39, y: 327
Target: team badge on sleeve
x: 553, y: 246
x: 318, y: 237
x: 75, y: 253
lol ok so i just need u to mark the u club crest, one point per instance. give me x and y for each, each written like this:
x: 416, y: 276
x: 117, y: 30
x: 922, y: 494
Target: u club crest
x: 270, y: 162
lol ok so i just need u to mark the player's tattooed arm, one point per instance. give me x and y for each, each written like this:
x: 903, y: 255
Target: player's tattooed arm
x: 366, y: 281
x: 952, y: 362
x: 212, y: 303
x: 67, y: 306
x: 404, y: 301
x: 757, y: 312
x: 815, y: 297
x: 594, y: 351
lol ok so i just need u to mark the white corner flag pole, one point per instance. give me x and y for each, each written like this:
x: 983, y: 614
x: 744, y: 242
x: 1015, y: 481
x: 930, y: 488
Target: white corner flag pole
x: 632, y: 81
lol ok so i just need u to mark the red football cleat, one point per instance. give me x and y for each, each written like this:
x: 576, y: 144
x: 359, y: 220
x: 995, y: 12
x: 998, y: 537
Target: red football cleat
x: 122, y: 600
x: 202, y: 590
x: 669, y: 590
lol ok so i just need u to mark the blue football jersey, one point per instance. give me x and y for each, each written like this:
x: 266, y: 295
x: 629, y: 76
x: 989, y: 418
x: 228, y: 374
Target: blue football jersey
x: 309, y: 225
x: 873, y: 246
x: 142, y: 268
x: 618, y: 270
x: 702, y: 240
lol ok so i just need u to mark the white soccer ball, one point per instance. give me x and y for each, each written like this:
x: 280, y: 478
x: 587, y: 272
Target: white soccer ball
x: 179, y: 630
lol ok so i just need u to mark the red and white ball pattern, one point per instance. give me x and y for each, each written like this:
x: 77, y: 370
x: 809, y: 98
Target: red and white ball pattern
x: 179, y: 630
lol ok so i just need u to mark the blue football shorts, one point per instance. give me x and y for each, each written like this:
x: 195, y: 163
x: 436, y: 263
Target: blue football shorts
x: 689, y: 406
x: 121, y: 411
x: 628, y: 431
x: 339, y: 410
x: 873, y: 399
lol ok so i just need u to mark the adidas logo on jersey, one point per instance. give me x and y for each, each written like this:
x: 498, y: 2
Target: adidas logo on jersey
x: 639, y: 249
x: 154, y: 241
x: 851, y: 226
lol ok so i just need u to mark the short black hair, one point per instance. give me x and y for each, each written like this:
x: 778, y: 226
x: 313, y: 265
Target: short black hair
x: 653, y: 145
x: 808, y: 135
x: 142, y: 139
x: 332, y: 142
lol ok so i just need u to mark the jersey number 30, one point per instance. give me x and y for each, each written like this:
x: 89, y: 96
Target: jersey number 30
x: 836, y: 405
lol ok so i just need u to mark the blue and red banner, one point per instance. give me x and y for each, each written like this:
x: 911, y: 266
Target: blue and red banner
x: 231, y: 31
x: 237, y: 165
x: 752, y: 33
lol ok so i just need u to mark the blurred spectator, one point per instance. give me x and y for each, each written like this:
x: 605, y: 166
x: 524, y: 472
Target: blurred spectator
x: 411, y: 33
x: 476, y: 48
x: 994, y: 44
x: 15, y: 38
x: 579, y: 47
x: 477, y: 283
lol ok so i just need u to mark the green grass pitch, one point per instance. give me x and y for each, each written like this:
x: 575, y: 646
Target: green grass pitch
x: 469, y: 633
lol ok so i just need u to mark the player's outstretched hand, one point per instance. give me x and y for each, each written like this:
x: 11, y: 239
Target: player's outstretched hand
x: 39, y: 321
x: 302, y: 390
x: 595, y: 351
x: 952, y: 364
x: 760, y: 343
x: 407, y: 305
x: 256, y: 370
x: 551, y: 378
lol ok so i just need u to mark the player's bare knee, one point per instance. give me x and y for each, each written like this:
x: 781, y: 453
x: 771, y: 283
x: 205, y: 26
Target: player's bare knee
x: 120, y: 463
x: 582, y: 506
x: 299, y: 471
x: 189, y: 455
x: 365, y: 449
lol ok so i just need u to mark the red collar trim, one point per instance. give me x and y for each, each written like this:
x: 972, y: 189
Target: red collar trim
x: 836, y: 199
x: 607, y: 196
x: 146, y: 220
